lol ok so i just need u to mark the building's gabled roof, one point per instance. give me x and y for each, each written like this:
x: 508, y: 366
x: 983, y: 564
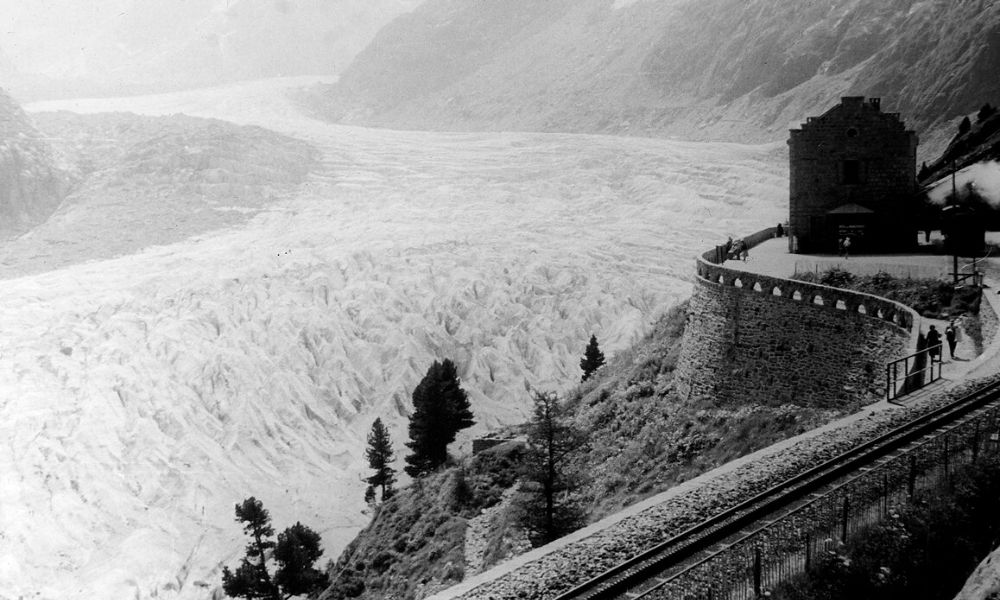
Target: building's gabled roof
x: 856, y: 106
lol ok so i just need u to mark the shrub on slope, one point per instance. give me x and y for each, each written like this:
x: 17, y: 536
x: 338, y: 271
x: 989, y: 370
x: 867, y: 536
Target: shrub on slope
x: 643, y: 440
x: 415, y: 543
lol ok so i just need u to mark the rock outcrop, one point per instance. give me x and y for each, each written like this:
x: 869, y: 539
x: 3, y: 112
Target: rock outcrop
x: 31, y: 186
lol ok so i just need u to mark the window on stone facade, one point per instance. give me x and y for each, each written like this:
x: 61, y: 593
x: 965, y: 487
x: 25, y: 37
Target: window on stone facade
x: 851, y: 171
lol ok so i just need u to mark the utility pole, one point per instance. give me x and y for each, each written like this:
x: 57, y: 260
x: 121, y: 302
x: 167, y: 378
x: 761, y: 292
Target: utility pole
x: 954, y: 246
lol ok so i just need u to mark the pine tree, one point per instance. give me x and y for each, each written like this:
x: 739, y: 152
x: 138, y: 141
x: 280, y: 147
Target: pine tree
x: 964, y: 126
x: 296, y: 552
x: 985, y: 112
x: 592, y: 359
x: 251, y: 579
x: 440, y: 410
x: 379, y: 455
x: 547, y: 506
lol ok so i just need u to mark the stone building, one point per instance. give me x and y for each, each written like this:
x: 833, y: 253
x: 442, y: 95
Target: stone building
x: 853, y: 173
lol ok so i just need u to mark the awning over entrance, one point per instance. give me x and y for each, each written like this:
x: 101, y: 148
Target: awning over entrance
x: 851, y: 209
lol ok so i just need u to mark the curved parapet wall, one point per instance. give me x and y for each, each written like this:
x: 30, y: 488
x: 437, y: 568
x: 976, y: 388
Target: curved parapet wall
x: 755, y: 339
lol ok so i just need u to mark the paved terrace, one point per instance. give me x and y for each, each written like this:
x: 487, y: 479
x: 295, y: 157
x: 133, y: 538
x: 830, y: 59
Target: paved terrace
x: 772, y: 258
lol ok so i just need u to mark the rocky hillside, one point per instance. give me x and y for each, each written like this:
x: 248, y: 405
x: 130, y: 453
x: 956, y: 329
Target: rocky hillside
x: 643, y: 440
x: 980, y: 144
x: 148, y: 181
x: 701, y: 69
x: 31, y: 185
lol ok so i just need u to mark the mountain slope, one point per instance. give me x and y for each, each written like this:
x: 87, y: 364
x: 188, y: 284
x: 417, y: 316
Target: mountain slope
x: 704, y: 69
x: 643, y: 439
x: 148, y: 181
x: 31, y: 186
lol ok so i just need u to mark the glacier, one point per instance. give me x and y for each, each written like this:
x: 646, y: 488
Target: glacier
x: 142, y: 396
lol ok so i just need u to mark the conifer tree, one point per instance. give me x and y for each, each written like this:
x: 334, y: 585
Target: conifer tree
x: 964, y: 126
x: 592, y: 359
x: 985, y: 112
x: 547, y: 506
x: 440, y: 410
x: 296, y: 553
x: 251, y: 579
x: 379, y: 455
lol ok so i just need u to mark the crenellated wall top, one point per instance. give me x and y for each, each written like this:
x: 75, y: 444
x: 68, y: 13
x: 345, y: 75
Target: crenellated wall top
x: 711, y: 270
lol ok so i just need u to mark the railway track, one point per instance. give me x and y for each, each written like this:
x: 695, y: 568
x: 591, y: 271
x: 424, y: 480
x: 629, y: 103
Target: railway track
x: 652, y: 567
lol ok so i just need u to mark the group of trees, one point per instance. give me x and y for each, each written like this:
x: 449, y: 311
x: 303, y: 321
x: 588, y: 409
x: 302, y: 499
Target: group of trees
x: 295, y: 553
x: 985, y: 112
x: 441, y: 410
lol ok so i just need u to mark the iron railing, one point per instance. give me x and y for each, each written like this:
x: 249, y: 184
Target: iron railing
x: 912, y: 372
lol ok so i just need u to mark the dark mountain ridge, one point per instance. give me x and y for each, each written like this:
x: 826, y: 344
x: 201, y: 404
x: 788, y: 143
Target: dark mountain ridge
x: 699, y: 69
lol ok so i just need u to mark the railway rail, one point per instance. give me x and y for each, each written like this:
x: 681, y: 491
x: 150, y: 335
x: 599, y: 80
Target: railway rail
x: 656, y: 566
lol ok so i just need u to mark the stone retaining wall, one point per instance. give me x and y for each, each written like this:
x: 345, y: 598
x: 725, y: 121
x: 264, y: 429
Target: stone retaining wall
x: 757, y: 339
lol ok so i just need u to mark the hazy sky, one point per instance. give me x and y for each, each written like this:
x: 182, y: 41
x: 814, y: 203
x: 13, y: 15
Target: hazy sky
x: 187, y: 41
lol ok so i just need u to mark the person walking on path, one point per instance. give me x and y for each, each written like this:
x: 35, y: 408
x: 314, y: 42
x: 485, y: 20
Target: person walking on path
x: 847, y: 246
x: 934, y: 343
x: 950, y: 334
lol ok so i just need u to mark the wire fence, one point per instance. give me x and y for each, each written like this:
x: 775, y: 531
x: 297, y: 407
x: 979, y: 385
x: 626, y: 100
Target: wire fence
x: 794, y: 542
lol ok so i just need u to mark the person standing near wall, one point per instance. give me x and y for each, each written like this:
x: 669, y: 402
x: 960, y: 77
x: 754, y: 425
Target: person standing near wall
x: 950, y: 334
x: 934, y: 343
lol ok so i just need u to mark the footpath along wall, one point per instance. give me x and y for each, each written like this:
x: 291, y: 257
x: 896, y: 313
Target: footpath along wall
x: 545, y: 572
x: 752, y: 338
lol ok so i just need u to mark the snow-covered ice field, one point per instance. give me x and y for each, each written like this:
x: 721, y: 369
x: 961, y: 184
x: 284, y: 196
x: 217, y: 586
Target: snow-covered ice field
x: 141, y: 397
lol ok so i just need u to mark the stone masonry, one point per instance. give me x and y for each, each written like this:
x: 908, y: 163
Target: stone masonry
x: 757, y: 339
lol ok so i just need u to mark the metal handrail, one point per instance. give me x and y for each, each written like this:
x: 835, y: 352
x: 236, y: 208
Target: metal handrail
x: 918, y: 370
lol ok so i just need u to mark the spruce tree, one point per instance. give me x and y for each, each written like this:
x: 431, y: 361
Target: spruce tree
x: 592, y: 359
x: 985, y: 112
x: 379, y: 455
x: 548, y: 508
x: 964, y: 126
x: 440, y: 410
x: 296, y: 553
